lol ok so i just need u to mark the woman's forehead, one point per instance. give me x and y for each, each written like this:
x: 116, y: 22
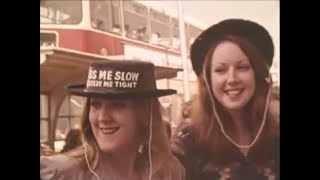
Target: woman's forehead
x: 228, y: 50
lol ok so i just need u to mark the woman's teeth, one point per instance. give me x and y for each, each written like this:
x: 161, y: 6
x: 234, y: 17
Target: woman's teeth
x: 109, y: 130
x: 234, y: 92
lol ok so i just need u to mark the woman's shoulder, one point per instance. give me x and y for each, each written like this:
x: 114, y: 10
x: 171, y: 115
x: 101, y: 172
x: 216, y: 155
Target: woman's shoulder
x: 58, y: 166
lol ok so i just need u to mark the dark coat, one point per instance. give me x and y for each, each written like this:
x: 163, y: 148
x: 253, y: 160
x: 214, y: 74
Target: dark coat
x: 199, y: 167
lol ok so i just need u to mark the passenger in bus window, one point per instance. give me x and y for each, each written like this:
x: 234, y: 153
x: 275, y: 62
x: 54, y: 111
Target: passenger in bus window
x: 175, y: 44
x: 155, y: 37
x: 126, y: 30
x: 123, y: 132
x: 116, y: 28
x: 234, y: 130
x: 100, y: 17
x: 140, y: 33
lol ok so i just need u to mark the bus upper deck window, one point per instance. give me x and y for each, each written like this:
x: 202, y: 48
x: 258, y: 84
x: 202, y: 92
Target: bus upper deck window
x: 105, y: 16
x: 136, y: 21
x: 60, y: 12
x: 160, y: 28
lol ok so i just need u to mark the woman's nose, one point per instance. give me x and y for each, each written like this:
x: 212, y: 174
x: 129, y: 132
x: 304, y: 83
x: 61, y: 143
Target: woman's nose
x: 104, y: 114
x: 232, y: 77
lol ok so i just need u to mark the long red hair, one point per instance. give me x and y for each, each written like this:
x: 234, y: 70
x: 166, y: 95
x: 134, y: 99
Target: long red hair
x: 208, y: 135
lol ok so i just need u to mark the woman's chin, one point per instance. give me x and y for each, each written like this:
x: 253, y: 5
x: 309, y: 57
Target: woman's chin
x: 107, y: 149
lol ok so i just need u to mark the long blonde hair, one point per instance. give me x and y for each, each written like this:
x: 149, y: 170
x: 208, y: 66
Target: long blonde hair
x: 208, y: 135
x: 164, y: 164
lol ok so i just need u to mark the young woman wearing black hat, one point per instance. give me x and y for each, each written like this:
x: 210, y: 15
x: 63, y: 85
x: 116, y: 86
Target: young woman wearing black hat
x: 234, y: 132
x: 122, y: 128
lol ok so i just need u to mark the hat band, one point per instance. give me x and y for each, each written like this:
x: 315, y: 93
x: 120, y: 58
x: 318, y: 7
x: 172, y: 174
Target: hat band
x: 97, y: 84
x: 108, y: 90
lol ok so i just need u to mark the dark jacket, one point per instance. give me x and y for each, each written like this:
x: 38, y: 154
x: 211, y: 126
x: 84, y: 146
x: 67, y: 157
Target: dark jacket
x: 199, y: 167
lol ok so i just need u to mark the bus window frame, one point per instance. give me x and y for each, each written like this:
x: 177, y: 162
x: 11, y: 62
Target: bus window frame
x: 45, y: 118
x: 54, y: 19
x: 153, y: 11
x: 68, y: 115
x: 145, y: 17
x: 164, y: 24
x: 111, y: 5
x: 173, y: 28
x: 134, y: 12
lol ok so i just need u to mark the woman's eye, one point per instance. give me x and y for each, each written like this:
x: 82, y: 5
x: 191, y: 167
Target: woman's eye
x: 244, y: 67
x: 219, y: 70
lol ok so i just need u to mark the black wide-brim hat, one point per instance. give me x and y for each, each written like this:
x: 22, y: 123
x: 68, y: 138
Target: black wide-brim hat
x: 120, y: 79
x: 251, y: 31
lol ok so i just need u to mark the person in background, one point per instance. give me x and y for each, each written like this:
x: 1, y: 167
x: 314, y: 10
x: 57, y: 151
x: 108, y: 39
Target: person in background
x: 72, y: 141
x: 46, y: 150
x: 168, y: 128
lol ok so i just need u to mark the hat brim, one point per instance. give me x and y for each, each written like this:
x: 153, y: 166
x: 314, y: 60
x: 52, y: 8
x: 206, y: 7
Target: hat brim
x: 80, y: 90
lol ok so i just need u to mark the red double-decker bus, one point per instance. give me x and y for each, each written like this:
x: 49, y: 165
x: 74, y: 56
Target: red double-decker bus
x: 73, y: 33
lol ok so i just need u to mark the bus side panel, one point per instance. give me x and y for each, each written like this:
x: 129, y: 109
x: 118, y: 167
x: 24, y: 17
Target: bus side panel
x: 88, y: 41
x: 98, y: 41
x: 73, y: 39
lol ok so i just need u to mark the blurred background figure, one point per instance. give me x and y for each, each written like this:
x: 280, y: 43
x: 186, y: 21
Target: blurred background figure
x: 73, y: 140
x: 186, y: 110
x: 100, y: 17
x: 168, y: 128
x: 45, y: 150
x: 184, y: 117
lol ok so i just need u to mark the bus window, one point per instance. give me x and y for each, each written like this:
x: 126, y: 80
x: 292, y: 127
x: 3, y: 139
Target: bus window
x: 160, y: 28
x: 48, y: 39
x: 60, y: 12
x: 192, y: 34
x: 76, y: 108
x: 60, y: 133
x: 68, y: 118
x: 136, y: 21
x: 44, y: 118
x: 105, y: 16
x: 175, y: 43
